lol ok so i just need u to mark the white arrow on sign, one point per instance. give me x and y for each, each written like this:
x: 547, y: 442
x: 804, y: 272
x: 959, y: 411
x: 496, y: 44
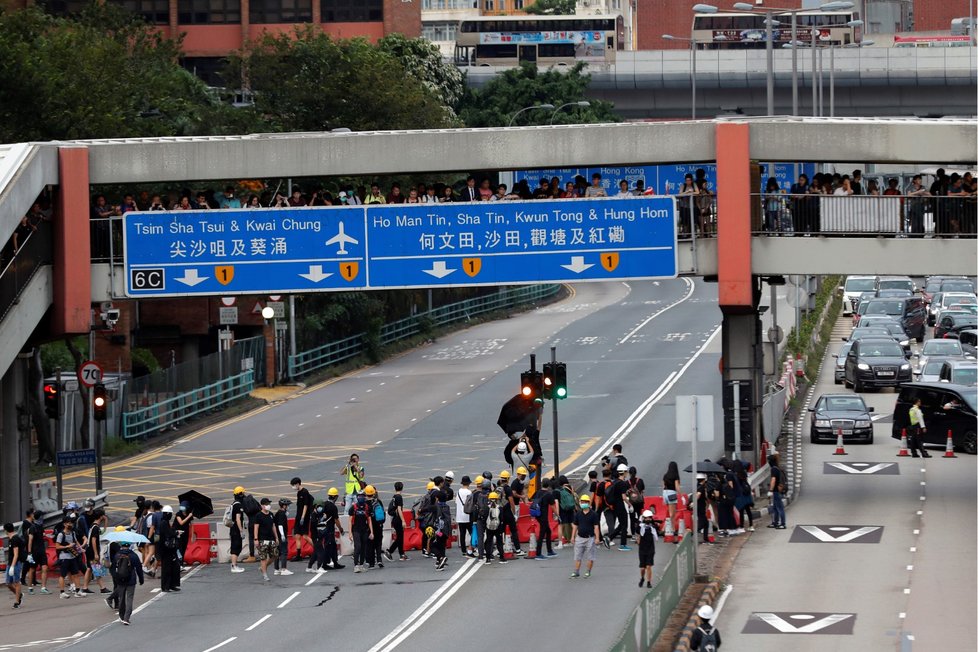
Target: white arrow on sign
x: 438, y: 269
x: 828, y: 537
x: 842, y: 466
x: 315, y: 274
x: 782, y: 625
x: 190, y: 278
x: 577, y: 264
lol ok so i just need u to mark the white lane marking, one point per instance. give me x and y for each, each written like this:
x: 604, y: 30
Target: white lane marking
x: 636, y: 417
x: 314, y: 578
x: 288, y: 600
x: 156, y: 590
x: 425, y: 610
x: 222, y: 644
x: 690, y: 285
x: 259, y: 622
x: 721, y: 601
x: 62, y: 639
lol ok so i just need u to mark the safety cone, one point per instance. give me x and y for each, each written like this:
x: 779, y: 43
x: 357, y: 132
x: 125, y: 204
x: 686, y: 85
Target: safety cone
x: 904, y: 452
x: 532, y: 546
x: 682, y: 527
x: 670, y: 534
x: 839, y: 448
x: 949, y: 448
x: 507, y: 546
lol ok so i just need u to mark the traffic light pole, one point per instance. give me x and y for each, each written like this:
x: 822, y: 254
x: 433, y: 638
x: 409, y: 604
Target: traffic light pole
x: 553, y: 401
x: 98, y: 458
x: 57, y: 437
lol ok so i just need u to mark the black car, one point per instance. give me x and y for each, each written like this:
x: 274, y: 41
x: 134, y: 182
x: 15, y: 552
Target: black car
x: 887, y: 324
x: 946, y: 408
x: 876, y: 362
x: 841, y: 412
x: 954, y: 322
x: 969, y: 341
x: 911, y: 313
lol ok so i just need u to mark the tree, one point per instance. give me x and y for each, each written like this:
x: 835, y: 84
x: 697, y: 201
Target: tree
x: 553, y: 7
x: 308, y: 81
x: 423, y: 60
x: 104, y: 73
x: 495, y: 104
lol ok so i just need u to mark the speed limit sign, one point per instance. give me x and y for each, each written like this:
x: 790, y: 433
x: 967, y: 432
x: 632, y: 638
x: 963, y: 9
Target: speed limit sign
x: 89, y: 373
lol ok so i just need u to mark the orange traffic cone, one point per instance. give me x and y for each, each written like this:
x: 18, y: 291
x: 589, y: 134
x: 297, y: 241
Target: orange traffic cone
x: 949, y: 449
x: 670, y: 534
x: 682, y: 527
x: 839, y: 448
x: 904, y: 452
x: 532, y: 546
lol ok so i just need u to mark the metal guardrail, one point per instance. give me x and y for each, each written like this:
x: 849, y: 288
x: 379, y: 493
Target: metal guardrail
x: 171, y: 411
x: 17, y: 268
x: 331, y: 353
x: 865, y: 215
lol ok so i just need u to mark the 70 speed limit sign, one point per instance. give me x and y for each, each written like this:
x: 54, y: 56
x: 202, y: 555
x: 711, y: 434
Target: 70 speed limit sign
x: 89, y: 373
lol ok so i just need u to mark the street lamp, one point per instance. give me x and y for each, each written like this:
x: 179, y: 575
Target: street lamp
x: 529, y: 108
x: 817, y: 97
x: 582, y: 104
x: 692, y: 47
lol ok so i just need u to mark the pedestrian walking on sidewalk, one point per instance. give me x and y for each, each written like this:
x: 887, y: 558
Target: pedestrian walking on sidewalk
x: 646, y: 538
x: 266, y: 538
x: 281, y: 520
x: 706, y: 637
x: 777, y: 485
x: 585, y: 532
x: 15, y: 558
x: 126, y: 569
x: 915, y: 442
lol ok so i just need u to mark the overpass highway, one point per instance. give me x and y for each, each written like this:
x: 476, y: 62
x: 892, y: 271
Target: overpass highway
x: 629, y: 348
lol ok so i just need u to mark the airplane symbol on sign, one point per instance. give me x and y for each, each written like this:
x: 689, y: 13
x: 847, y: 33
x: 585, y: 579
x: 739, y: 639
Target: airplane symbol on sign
x: 342, y: 238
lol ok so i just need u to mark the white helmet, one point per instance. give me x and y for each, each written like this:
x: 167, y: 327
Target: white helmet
x: 521, y: 448
x: 167, y: 509
x: 705, y: 612
x: 648, y: 514
x: 622, y: 468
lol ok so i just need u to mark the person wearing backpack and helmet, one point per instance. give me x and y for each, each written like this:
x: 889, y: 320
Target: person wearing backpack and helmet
x: 508, y: 502
x: 422, y: 514
x: 377, y: 516
x: 617, y: 496
x: 361, y: 531
x: 439, y: 525
x: 646, y: 537
x: 585, y: 533
x: 237, y: 529
x: 706, y: 637
x: 494, y: 528
x: 329, y: 521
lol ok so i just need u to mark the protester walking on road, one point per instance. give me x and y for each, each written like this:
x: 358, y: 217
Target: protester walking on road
x: 377, y: 516
x: 92, y: 543
x: 566, y: 506
x: 464, y: 518
x: 15, y: 558
x: 646, y: 538
x: 480, y: 498
x: 395, y: 510
x: 706, y: 637
x: 166, y: 551
x: 37, y: 554
x: 616, y: 497
x: 441, y: 524
x: 494, y: 528
x: 585, y: 532
x: 777, y: 486
x: 540, y: 510
x: 281, y: 521
x: 237, y: 529
x: 266, y: 538
x: 361, y: 531
x: 126, y: 569
x: 507, y: 504
x: 69, y: 553
x: 915, y: 442
x: 302, y: 526
x: 332, y: 512
x: 353, y: 475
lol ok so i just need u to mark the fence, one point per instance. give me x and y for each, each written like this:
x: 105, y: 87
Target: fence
x: 331, y: 353
x: 650, y: 616
x: 170, y: 412
x: 17, y: 268
x: 886, y: 215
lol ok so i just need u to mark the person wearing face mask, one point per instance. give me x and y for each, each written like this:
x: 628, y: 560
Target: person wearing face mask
x: 266, y: 537
x: 332, y: 514
x: 182, y: 523
x: 646, y: 538
x: 584, y: 533
x: 167, y: 550
x: 322, y: 528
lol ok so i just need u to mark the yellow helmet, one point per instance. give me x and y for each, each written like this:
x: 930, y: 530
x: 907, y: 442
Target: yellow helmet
x: 430, y: 531
x: 430, y: 486
x: 239, y: 490
x: 584, y: 498
x: 369, y: 490
x: 504, y: 475
x: 479, y: 480
x: 333, y: 491
x: 521, y: 471
x: 493, y: 495
x: 120, y: 528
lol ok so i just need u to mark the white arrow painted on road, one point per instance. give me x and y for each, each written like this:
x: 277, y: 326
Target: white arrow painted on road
x: 315, y: 274
x: 190, y: 278
x: 577, y: 264
x: 782, y: 625
x: 828, y: 537
x: 842, y: 466
x: 438, y: 269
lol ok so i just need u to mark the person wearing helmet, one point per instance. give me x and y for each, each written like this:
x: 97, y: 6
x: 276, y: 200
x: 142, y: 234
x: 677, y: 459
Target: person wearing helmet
x: 326, y: 528
x: 361, y: 531
x: 706, y: 637
x: 507, y: 504
x: 237, y: 528
x: 617, y: 498
x: 518, y: 485
x: 423, y: 513
x: 375, y: 555
x: 166, y: 552
x: 585, y: 533
x: 439, y: 524
x: 646, y: 537
x: 480, y: 509
x: 321, y: 528
x: 281, y: 521
x: 447, y: 486
x: 493, y: 528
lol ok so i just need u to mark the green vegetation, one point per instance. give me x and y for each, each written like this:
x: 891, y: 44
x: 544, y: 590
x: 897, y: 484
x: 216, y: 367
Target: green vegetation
x: 553, y: 7
x: 800, y: 340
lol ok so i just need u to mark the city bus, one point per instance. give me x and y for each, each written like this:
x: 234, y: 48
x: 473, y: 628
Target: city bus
x: 931, y: 41
x: 543, y: 40
x: 740, y: 31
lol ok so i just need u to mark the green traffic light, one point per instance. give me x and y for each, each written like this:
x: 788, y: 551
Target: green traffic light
x: 561, y: 392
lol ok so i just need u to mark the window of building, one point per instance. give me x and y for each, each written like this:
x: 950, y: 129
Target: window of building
x: 352, y: 11
x: 207, y: 69
x: 280, y: 11
x: 63, y: 7
x: 154, y: 12
x: 439, y: 31
x: 436, y: 5
x: 208, y: 12
x: 490, y: 5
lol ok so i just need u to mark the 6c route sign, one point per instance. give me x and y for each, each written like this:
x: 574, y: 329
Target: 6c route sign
x: 398, y: 246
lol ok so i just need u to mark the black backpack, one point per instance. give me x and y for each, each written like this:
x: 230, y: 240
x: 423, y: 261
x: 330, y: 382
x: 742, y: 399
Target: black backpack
x: 123, y: 567
x: 250, y: 505
x: 708, y: 641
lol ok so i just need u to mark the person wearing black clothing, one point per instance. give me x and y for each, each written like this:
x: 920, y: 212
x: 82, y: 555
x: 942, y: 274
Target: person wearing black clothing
x: 646, y: 536
x: 375, y: 552
x: 544, y: 499
x: 126, y: 585
x: 728, y: 494
x: 328, y: 532
x: 616, y: 497
x: 442, y: 530
x: 166, y: 552
x: 281, y: 521
x: 508, y: 502
x: 396, y: 511
x: 469, y: 192
x: 705, y: 632
x: 361, y: 531
x: 236, y: 530
x: 323, y: 527
x: 266, y: 537
x: 183, y: 524
x: 494, y: 528
x: 15, y: 556
x: 302, y: 527
x: 744, y: 502
x: 37, y: 555
x: 703, y: 497
x: 636, y: 497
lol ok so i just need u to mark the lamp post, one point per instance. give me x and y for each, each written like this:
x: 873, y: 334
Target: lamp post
x: 547, y: 106
x: 692, y: 45
x: 817, y: 68
x: 582, y: 103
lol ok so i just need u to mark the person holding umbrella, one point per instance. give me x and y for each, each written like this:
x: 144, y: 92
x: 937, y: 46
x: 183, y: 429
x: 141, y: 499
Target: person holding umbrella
x: 183, y: 524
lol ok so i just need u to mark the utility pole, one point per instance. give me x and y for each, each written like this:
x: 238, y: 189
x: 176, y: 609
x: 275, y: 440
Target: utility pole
x: 553, y: 400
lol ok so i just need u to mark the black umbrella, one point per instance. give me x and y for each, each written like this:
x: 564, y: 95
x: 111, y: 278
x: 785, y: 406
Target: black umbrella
x: 518, y: 414
x: 706, y: 466
x: 200, y: 505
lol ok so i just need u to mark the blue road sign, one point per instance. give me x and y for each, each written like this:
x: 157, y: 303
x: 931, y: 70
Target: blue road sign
x: 78, y: 457
x: 397, y: 246
x: 237, y: 251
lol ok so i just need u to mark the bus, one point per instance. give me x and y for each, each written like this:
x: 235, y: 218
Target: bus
x: 932, y: 41
x: 742, y: 31
x: 543, y: 40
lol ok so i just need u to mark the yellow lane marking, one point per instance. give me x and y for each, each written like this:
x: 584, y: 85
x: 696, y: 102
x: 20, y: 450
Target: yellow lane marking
x: 583, y: 448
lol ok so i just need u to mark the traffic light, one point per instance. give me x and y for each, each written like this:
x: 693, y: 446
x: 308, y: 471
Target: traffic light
x: 531, y: 385
x: 52, y: 400
x: 100, y: 401
x: 560, y: 381
x: 548, y: 380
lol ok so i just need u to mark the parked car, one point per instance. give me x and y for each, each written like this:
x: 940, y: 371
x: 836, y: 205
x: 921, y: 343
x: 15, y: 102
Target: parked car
x: 941, y: 348
x: 845, y: 412
x: 959, y: 372
x: 954, y: 320
x: 893, y: 328
x: 933, y: 307
x: 852, y: 288
x: 930, y: 371
x: 893, y: 293
x: 876, y: 362
x: 969, y: 340
x: 896, y: 283
x: 958, y: 285
x: 946, y: 408
x: 840, y: 362
x: 911, y: 313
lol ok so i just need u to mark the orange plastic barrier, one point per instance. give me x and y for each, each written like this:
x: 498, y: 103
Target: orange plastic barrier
x: 201, y: 548
x: 307, y: 549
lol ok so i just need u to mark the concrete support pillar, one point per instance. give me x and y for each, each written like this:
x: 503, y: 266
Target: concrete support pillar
x: 743, y: 360
x: 14, y: 444
x: 269, y: 333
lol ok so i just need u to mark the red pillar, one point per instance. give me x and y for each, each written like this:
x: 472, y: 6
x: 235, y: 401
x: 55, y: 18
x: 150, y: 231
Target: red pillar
x: 72, y: 245
x: 733, y: 215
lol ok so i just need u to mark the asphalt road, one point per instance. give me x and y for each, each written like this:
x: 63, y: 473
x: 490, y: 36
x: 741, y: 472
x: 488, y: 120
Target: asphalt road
x: 906, y: 582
